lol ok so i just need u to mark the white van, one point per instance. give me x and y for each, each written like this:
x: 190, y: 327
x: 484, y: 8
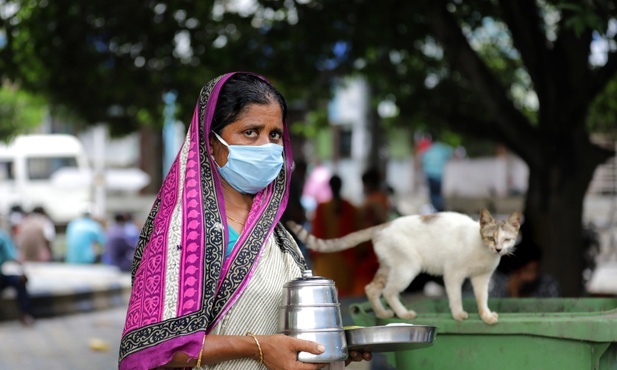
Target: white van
x: 50, y: 171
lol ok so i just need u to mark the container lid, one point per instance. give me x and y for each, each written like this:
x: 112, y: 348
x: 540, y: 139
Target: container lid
x: 307, y: 278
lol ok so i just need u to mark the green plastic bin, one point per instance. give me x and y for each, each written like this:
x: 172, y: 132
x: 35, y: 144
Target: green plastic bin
x: 542, y: 334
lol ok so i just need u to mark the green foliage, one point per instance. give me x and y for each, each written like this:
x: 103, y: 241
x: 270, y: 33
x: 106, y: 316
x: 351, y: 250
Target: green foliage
x: 100, y: 56
x: 109, y: 61
x: 316, y: 121
x: 399, y: 143
x: 603, y: 112
x: 19, y: 111
x: 583, y: 17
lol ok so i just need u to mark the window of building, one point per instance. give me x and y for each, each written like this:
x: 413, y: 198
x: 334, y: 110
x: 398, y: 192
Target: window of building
x: 344, y: 142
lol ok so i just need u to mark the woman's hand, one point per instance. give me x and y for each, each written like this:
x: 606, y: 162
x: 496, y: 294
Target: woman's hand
x: 281, y: 352
x: 357, y: 356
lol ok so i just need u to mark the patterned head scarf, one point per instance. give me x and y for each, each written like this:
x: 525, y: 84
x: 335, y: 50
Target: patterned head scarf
x: 182, y: 282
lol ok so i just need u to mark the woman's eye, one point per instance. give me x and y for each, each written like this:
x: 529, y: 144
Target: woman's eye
x: 275, y: 135
x: 250, y: 133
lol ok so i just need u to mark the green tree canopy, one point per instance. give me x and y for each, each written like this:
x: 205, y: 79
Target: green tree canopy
x: 19, y: 111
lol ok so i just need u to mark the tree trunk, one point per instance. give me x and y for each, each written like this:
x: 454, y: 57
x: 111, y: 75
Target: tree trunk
x: 376, y: 156
x: 558, y: 183
x: 554, y: 224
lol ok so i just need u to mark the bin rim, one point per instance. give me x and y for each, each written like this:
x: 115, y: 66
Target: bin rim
x: 599, y: 326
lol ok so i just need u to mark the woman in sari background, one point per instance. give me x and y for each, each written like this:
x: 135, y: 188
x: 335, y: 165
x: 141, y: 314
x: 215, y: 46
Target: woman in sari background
x: 334, y: 219
x: 212, y: 258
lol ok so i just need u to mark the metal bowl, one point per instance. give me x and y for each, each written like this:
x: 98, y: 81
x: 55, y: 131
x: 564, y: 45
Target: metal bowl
x: 389, y: 338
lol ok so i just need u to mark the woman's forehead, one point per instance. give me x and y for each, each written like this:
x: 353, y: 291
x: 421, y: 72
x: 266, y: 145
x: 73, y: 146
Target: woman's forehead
x: 271, y: 114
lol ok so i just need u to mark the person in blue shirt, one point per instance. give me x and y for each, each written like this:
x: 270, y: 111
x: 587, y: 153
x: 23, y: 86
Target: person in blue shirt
x: 8, y: 252
x: 121, y: 241
x: 434, y: 161
x: 85, y: 239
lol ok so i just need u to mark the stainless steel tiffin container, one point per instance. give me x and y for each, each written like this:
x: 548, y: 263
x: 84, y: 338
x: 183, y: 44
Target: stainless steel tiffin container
x: 310, y: 310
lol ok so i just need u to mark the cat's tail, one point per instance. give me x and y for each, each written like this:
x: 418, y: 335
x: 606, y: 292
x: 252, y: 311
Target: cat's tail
x: 333, y: 245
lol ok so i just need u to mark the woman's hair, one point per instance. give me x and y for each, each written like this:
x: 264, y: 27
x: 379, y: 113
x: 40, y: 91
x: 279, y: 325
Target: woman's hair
x: 240, y: 91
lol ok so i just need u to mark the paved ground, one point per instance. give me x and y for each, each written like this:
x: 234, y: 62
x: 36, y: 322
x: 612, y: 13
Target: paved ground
x: 83, y: 319
x: 80, y: 341
x: 63, y: 342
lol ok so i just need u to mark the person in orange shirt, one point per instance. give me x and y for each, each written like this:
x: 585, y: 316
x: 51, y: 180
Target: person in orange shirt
x: 333, y: 219
x: 374, y: 211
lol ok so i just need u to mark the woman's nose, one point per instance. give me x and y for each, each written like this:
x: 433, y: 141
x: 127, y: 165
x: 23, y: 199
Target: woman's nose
x: 263, y: 139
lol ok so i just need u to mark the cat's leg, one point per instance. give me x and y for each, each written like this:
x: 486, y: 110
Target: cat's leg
x: 398, y: 279
x: 454, y: 284
x: 373, y: 293
x: 480, y: 288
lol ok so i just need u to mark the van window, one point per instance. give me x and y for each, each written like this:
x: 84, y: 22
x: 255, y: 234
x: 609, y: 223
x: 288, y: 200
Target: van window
x: 6, y: 170
x: 43, y: 167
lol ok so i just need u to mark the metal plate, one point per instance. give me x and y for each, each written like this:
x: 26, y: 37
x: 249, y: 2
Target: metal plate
x: 389, y: 338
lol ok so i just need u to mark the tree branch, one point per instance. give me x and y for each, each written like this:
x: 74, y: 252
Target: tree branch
x: 508, y: 120
x: 523, y: 20
x: 602, y: 76
x: 572, y: 73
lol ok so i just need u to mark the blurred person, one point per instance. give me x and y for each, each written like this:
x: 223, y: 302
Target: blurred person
x: 35, y: 236
x: 519, y: 275
x: 374, y: 210
x: 376, y: 203
x: 131, y: 228
x: 213, y: 257
x: 16, y: 216
x: 120, y: 244
x: 85, y: 240
x: 421, y: 142
x: 434, y: 160
x: 316, y: 189
x: 394, y: 211
x: 333, y: 219
x: 8, y: 252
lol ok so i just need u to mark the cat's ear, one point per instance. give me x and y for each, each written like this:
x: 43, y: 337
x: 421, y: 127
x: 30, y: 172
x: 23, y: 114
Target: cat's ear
x: 485, y: 217
x: 515, y: 219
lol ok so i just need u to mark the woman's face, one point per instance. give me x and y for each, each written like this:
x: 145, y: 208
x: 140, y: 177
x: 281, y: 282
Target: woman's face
x: 258, y: 125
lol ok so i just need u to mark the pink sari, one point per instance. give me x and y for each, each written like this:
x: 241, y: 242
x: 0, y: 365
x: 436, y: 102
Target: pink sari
x: 182, y: 283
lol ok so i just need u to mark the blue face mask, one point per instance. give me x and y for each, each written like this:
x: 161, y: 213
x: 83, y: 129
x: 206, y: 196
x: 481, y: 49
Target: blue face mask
x: 250, y: 168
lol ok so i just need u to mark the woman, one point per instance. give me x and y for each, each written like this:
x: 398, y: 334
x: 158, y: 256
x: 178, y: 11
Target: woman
x: 374, y: 211
x: 334, y: 219
x: 212, y: 259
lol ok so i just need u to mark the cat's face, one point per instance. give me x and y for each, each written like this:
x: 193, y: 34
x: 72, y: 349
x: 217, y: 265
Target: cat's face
x: 499, y: 236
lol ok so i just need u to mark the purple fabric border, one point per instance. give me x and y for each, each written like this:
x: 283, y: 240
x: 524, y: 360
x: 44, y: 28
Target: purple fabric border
x: 191, y: 276
x: 152, y: 357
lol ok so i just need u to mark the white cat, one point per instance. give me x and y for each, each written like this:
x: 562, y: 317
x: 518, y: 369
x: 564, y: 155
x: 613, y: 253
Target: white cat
x: 447, y: 244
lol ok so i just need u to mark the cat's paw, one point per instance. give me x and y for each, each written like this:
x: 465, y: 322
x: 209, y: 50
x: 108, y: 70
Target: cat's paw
x: 408, y: 314
x: 385, y: 314
x: 490, y: 318
x: 460, y: 316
